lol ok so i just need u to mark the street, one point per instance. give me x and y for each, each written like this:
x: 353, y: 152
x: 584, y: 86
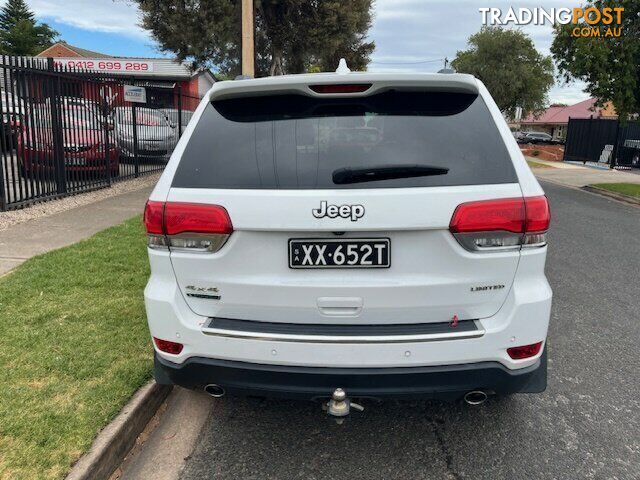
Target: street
x: 584, y: 426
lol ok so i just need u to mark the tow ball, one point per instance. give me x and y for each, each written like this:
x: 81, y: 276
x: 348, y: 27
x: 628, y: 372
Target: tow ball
x: 340, y: 406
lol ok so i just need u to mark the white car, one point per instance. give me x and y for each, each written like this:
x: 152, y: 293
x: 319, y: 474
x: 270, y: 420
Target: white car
x: 155, y: 137
x: 380, y: 234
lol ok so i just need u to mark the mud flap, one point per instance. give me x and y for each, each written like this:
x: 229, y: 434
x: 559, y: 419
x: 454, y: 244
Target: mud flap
x: 538, y: 381
x: 159, y: 374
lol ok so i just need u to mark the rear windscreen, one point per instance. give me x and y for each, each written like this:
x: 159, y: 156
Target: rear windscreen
x: 299, y: 142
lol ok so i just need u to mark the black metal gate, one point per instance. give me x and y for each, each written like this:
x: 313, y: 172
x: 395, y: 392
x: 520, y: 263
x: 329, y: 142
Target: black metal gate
x: 607, y: 141
x: 66, y: 132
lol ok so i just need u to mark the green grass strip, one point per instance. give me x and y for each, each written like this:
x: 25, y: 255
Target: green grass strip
x: 74, y: 347
x: 629, y: 189
x: 538, y: 165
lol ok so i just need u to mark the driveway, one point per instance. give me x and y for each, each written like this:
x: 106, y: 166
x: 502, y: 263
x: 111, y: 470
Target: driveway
x: 578, y: 176
x: 584, y: 426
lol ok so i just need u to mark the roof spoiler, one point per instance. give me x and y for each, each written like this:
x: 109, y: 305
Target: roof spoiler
x: 300, y: 85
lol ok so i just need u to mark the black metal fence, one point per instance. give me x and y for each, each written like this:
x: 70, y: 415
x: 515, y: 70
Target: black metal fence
x: 606, y: 141
x: 66, y: 132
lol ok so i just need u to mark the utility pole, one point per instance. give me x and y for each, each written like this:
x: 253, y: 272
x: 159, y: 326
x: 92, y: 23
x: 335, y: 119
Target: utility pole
x: 248, y: 54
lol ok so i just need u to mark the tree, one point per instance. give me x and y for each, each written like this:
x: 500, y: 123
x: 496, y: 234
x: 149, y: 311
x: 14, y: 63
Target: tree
x: 19, y: 32
x: 515, y: 73
x: 610, y: 66
x: 292, y: 36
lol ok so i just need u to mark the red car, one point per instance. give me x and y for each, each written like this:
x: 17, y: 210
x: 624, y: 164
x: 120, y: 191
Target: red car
x: 83, y: 139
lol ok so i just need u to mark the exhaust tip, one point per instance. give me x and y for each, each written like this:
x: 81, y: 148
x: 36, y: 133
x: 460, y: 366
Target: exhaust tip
x: 475, y: 397
x: 216, y: 391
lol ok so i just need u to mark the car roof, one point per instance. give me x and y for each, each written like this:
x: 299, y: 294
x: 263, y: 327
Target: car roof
x: 299, y: 84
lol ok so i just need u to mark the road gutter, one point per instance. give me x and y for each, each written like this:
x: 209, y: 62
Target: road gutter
x: 608, y: 193
x: 114, y: 442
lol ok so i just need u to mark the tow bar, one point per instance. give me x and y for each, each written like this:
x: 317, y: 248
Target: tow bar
x: 340, y: 406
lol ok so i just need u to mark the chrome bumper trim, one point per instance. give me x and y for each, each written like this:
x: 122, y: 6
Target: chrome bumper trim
x: 285, y: 337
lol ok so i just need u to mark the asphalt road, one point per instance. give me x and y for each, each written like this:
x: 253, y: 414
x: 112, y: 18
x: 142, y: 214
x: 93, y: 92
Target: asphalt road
x: 586, y: 425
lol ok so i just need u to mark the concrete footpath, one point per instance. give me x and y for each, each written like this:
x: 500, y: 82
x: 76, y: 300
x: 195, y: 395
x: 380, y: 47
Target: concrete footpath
x: 34, y: 237
x: 578, y: 176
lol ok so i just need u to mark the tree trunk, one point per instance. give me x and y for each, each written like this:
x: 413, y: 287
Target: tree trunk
x: 276, y: 63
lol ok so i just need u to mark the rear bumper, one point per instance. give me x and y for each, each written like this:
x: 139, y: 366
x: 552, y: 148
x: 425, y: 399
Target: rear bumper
x: 449, y: 382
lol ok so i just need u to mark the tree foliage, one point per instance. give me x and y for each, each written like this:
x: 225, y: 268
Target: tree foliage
x: 291, y: 36
x: 20, y: 34
x: 610, y: 66
x: 507, y: 62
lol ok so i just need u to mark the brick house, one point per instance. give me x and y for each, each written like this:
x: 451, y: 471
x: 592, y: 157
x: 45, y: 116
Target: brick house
x: 163, y: 78
x: 554, y: 120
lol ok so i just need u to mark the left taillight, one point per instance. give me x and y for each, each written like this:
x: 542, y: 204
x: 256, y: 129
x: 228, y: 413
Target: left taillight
x: 194, y: 227
x: 154, y: 224
x: 501, y: 224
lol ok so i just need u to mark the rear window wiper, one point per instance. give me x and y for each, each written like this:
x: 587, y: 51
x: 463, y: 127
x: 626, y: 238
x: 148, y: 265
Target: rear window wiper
x: 346, y: 175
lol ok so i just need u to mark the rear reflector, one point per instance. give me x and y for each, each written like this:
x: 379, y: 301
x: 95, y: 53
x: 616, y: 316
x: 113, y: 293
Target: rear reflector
x: 167, y: 346
x: 187, y: 226
x: 341, y: 88
x: 525, y: 351
x: 506, y: 223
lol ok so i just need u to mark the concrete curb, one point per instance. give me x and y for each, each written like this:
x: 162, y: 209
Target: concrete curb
x: 116, y: 439
x: 614, y: 195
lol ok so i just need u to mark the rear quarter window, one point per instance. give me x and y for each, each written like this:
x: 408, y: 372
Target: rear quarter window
x: 297, y: 142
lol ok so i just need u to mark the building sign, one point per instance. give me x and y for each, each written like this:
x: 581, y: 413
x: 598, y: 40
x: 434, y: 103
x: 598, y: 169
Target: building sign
x: 110, y: 65
x: 133, y: 93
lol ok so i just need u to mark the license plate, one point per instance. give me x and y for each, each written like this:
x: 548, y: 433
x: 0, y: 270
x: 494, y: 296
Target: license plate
x: 340, y: 253
x: 75, y: 161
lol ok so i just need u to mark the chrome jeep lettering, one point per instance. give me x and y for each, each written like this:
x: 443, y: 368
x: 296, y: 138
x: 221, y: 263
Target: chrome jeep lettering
x: 354, y: 212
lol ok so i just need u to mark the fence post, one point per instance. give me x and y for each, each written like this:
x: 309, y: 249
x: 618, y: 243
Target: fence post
x: 57, y: 129
x: 3, y: 156
x: 614, y: 153
x: 4, y: 147
x: 134, y: 122
x: 566, y: 141
x: 179, y: 111
x: 105, y: 131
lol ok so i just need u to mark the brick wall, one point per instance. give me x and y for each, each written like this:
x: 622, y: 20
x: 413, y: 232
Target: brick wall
x: 546, y: 152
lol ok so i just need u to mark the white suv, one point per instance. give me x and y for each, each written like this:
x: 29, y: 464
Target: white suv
x: 379, y: 233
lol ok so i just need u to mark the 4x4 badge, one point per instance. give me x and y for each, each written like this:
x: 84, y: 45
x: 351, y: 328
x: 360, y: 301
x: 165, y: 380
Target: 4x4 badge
x: 354, y: 212
x: 203, y: 292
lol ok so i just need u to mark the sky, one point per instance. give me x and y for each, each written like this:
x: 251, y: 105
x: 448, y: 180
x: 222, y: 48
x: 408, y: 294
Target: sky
x: 410, y: 35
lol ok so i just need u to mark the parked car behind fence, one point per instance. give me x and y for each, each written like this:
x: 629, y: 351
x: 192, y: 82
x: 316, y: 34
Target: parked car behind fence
x: 537, y: 138
x: 156, y: 137
x: 178, y: 118
x: 63, y: 134
x: 85, y: 144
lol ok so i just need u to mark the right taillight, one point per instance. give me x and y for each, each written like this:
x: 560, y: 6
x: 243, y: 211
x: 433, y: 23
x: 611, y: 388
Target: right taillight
x: 502, y: 224
x: 195, y: 227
